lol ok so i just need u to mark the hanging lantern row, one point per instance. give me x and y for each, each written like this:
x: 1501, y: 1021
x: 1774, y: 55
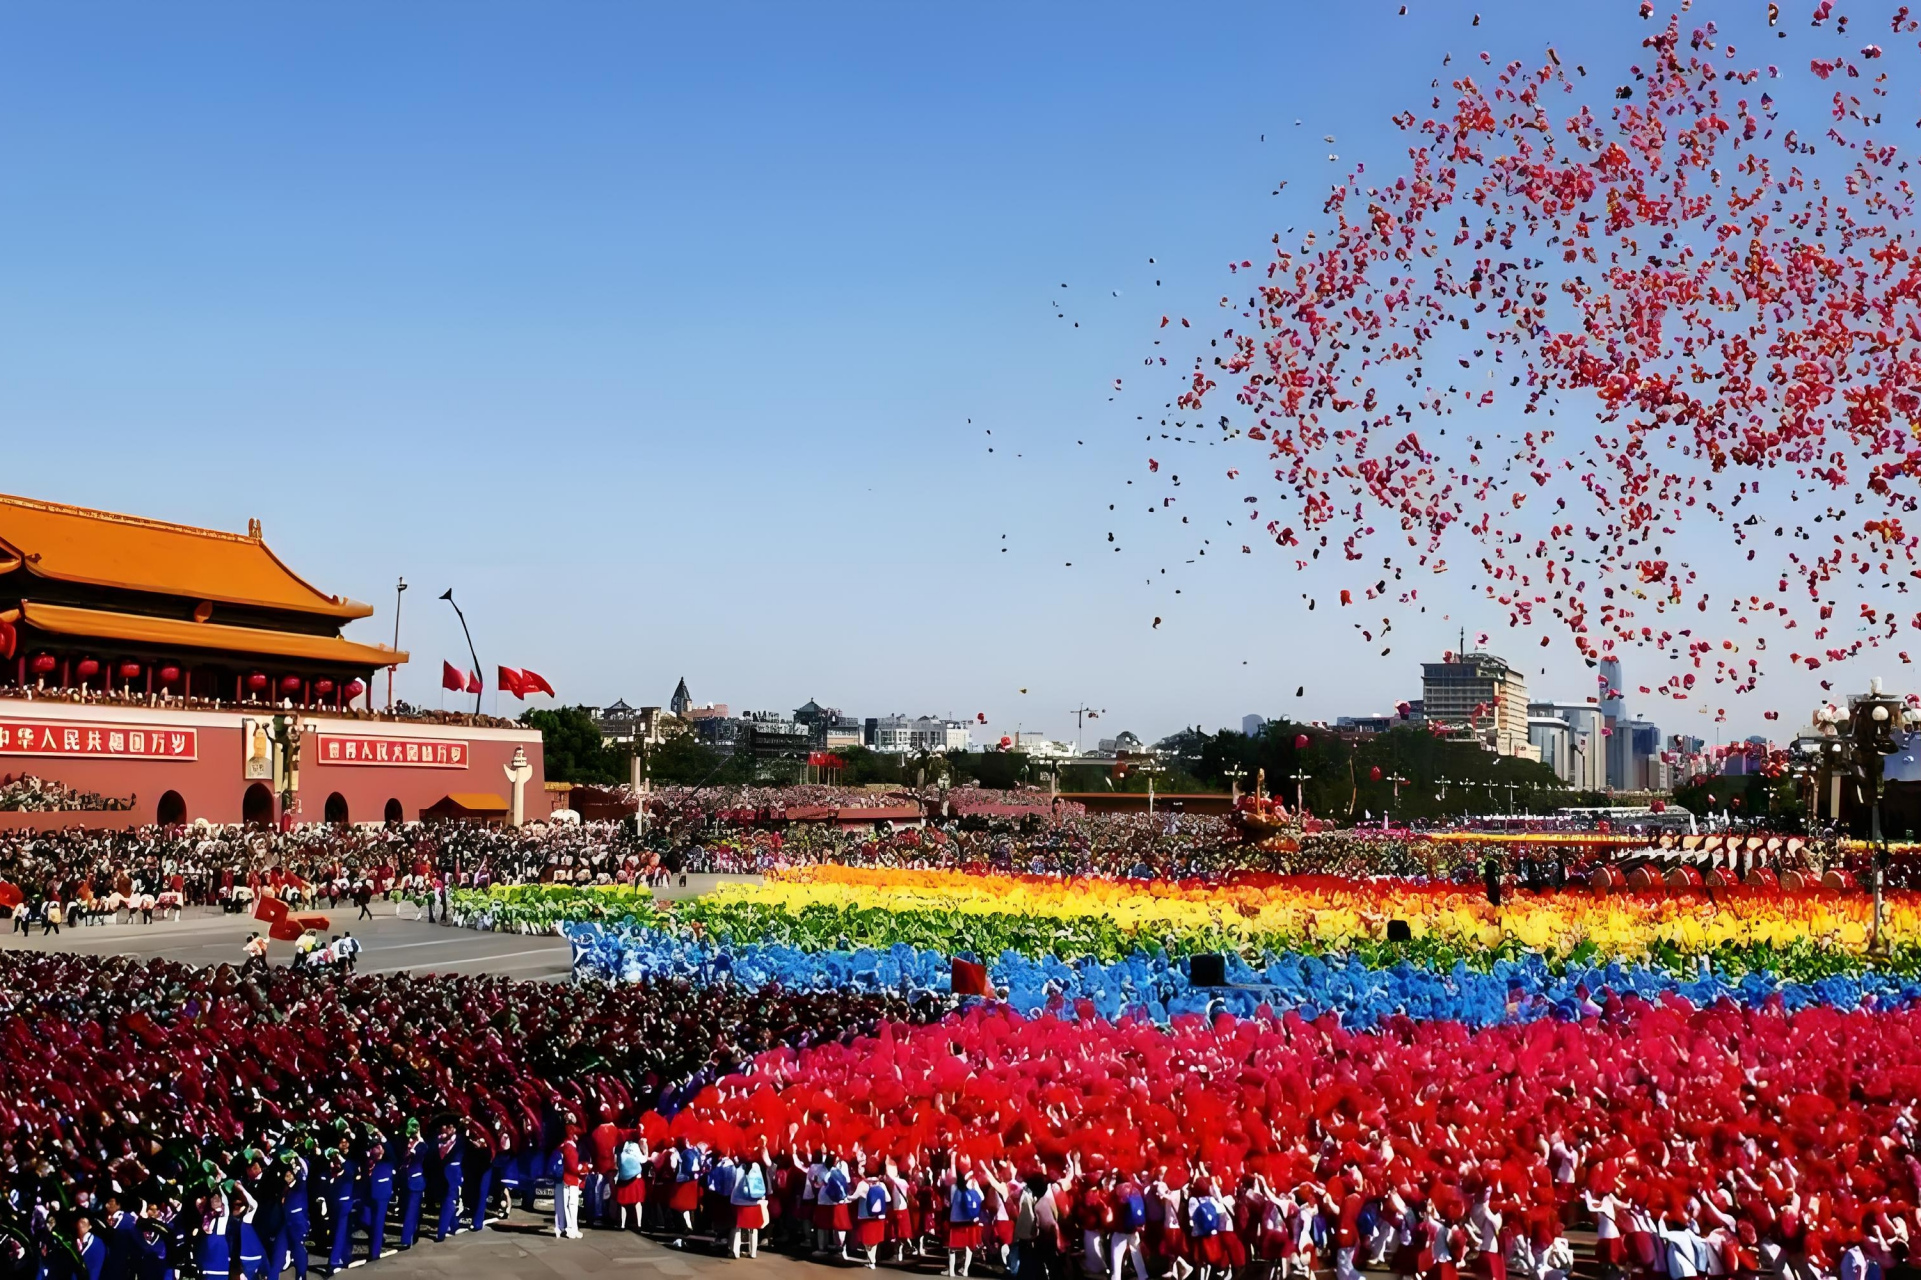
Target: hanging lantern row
x: 45, y: 664
x: 169, y: 675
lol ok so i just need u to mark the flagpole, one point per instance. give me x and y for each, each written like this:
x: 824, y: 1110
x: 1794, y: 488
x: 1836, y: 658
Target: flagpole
x: 448, y: 596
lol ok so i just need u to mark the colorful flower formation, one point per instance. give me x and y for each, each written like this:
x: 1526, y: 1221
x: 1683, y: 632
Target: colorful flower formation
x: 1157, y: 987
x: 1254, y: 912
x: 1804, y: 936
x: 1682, y: 1042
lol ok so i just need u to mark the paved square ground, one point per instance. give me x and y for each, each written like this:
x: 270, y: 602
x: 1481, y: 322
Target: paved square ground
x: 526, y: 1247
x: 391, y: 939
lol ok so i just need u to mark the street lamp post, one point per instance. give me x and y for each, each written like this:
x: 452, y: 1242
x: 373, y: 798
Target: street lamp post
x: 1857, y: 742
x: 448, y: 596
x: 1298, y: 777
x: 1873, y: 720
x: 400, y: 589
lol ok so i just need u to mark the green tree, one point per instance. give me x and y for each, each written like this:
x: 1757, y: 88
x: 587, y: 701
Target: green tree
x: 990, y: 768
x: 1339, y: 772
x: 1744, y: 795
x: 861, y: 767
x: 682, y: 760
x: 571, y: 743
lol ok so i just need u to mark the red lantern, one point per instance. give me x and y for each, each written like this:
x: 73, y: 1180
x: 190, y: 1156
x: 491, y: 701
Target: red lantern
x: 1374, y: 774
x: 1006, y: 742
x: 290, y: 684
x: 256, y: 682
x: 169, y: 675
x: 1300, y: 742
x: 323, y: 686
x: 42, y: 664
x: 87, y: 668
x: 354, y: 689
x: 129, y: 670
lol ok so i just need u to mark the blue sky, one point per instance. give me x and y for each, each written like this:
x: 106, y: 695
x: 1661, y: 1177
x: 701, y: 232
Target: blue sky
x: 656, y: 331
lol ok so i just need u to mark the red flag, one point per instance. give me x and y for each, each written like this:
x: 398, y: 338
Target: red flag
x: 534, y: 682
x: 513, y: 682
x: 270, y: 909
x: 10, y: 895
x: 970, y: 979
x: 473, y: 682
x: 319, y: 924
x: 451, y: 677
x: 285, y: 931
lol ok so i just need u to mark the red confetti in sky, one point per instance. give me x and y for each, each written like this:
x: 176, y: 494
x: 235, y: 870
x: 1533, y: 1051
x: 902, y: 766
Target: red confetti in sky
x: 1596, y: 311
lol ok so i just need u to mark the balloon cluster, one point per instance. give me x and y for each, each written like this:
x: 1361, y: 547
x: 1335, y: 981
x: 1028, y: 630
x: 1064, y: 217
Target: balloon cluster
x: 1708, y: 256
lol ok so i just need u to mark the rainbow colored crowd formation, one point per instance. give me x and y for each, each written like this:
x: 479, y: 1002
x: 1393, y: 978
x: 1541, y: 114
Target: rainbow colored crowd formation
x: 1720, y: 1082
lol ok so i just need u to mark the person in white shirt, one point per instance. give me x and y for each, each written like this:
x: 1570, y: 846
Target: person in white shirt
x: 1556, y: 1262
x: 1484, y: 1233
x: 1686, y: 1249
x: 1721, y: 1243
x: 900, y: 1211
x: 1610, y: 1248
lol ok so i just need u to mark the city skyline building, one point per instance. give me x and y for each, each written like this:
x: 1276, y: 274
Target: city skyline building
x: 1587, y: 750
x: 1479, y: 695
x: 1552, y: 739
x: 1613, y: 704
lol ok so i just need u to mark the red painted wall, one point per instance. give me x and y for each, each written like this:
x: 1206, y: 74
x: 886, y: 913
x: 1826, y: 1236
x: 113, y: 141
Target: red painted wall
x: 213, y: 784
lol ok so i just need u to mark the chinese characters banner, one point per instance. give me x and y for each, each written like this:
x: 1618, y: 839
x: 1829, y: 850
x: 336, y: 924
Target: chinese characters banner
x: 418, y: 753
x: 107, y: 741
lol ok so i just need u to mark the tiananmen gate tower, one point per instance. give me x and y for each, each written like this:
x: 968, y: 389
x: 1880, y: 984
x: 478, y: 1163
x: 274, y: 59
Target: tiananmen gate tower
x: 193, y: 672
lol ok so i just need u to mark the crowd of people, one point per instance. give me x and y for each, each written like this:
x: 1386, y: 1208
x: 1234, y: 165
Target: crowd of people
x: 100, y: 875
x: 191, y: 1122
x: 158, y: 1120
x: 29, y: 794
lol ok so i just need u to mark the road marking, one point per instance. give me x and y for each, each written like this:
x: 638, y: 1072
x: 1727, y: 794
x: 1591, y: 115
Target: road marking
x: 431, y: 942
x: 553, y: 952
